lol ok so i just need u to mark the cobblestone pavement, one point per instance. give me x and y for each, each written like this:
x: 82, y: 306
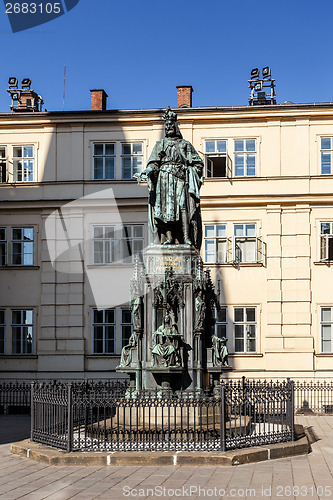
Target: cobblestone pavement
x: 293, y: 478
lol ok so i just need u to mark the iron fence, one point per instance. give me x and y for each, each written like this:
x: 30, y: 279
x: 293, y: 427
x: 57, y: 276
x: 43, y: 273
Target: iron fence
x: 97, y: 417
x: 314, y: 397
x: 15, y: 396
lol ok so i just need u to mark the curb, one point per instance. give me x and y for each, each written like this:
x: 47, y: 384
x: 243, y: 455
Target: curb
x: 50, y: 456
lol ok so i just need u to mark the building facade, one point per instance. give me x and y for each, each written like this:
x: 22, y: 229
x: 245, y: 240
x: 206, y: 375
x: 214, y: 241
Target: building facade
x: 72, y: 218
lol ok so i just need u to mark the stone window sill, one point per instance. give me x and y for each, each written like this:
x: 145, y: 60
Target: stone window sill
x: 246, y: 355
x: 20, y: 267
x: 18, y: 356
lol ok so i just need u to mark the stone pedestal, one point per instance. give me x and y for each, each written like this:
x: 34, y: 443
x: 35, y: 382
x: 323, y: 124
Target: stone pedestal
x: 178, y: 301
x: 175, y: 289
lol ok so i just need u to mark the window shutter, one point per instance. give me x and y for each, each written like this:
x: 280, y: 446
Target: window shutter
x: 324, y: 247
x: 209, y: 167
x: 261, y: 250
x: 238, y: 253
x: 229, y: 250
x: 228, y: 167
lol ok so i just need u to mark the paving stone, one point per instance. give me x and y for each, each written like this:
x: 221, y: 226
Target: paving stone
x: 18, y: 476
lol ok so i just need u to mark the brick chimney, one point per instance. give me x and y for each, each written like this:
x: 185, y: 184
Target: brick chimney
x: 98, y: 99
x: 184, y: 93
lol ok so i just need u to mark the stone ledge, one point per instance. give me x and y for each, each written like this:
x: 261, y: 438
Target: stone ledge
x: 51, y: 456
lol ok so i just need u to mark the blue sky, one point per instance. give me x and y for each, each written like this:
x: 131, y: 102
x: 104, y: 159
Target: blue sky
x: 139, y: 51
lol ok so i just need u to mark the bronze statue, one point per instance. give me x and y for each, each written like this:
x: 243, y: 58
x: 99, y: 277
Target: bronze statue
x: 200, y: 309
x: 126, y: 352
x: 136, y: 308
x: 174, y: 177
x: 220, y: 351
x: 165, y: 350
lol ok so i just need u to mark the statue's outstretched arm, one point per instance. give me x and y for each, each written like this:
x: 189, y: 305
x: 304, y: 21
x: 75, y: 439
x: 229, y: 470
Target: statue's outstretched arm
x: 149, y: 170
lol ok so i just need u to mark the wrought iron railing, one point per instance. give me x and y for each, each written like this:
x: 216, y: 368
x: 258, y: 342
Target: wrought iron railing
x: 314, y: 397
x: 14, y: 396
x: 98, y: 417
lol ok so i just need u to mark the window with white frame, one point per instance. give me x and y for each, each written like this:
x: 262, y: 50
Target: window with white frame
x: 244, y: 157
x: 22, y: 323
x: 221, y: 325
x: 215, y: 238
x: 126, y: 326
x: 326, y: 241
x: 326, y: 322
x: 216, y: 158
x: 3, y: 165
x: 326, y: 150
x: 103, y: 326
x: 131, y: 242
x: 119, y: 245
x: 245, y: 243
x: 131, y: 159
x: 22, y: 246
x: 23, y: 163
x: 104, y: 157
x: 2, y: 330
x: 104, y: 242
x: 3, y: 246
x: 245, y: 329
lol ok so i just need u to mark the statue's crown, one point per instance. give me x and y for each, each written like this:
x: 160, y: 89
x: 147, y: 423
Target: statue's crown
x: 170, y: 115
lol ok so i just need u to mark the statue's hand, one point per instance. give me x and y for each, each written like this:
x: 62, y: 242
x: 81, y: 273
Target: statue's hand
x: 139, y: 176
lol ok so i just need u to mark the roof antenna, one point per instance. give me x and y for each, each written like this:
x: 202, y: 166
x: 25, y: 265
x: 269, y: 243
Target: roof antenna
x: 63, y: 95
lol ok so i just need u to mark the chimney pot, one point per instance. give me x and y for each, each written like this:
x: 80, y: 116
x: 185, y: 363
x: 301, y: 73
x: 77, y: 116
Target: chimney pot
x: 184, y: 93
x: 98, y: 99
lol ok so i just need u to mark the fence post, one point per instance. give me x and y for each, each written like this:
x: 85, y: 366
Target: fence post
x: 70, y: 417
x: 32, y: 411
x: 222, y: 418
x: 243, y: 395
x: 291, y: 408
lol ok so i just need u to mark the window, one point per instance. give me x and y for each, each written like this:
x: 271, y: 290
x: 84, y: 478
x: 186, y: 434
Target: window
x: 22, y: 246
x: 103, y: 331
x: 326, y: 241
x: 216, y: 158
x: 131, y: 159
x: 3, y: 246
x: 104, y: 161
x: 104, y: 244
x: 2, y: 330
x: 326, y: 149
x: 131, y: 242
x: 3, y: 165
x: 245, y: 328
x: 221, y: 324
x: 23, y: 163
x: 126, y: 326
x: 326, y: 321
x: 245, y: 243
x: 216, y: 243
x: 245, y: 157
x: 120, y: 245
x: 22, y: 331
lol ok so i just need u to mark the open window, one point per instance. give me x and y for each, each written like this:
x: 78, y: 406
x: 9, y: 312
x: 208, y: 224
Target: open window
x: 217, y: 164
x: 326, y: 241
x: 3, y: 164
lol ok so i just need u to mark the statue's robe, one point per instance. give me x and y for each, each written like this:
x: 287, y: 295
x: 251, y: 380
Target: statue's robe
x: 174, y: 179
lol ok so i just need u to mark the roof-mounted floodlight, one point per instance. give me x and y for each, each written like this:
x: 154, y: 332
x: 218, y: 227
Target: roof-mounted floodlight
x: 254, y: 73
x: 15, y: 96
x: 258, y: 86
x: 266, y: 72
x: 12, y: 82
x: 26, y: 83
